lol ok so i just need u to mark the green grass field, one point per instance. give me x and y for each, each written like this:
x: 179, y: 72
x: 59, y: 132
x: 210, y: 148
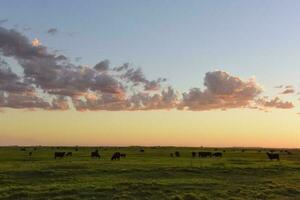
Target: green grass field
x: 149, y: 175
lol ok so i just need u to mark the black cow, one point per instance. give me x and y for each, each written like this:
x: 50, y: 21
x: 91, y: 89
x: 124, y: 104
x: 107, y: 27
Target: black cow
x: 69, y: 154
x: 142, y: 150
x: 193, y: 154
x: 217, y: 154
x: 273, y: 156
x: 123, y: 155
x: 177, y: 154
x: 30, y: 153
x: 116, y: 156
x: 59, y: 154
x: 95, y: 154
x: 204, y: 154
x: 288, y: 152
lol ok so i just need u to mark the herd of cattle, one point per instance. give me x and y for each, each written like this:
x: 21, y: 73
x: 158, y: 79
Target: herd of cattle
x: 94, y: 154
x: 201, y: 154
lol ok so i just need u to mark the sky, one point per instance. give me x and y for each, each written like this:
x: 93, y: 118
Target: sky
x: 161, y: 72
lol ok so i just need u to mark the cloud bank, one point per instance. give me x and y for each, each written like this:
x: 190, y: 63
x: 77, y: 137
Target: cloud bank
x: 50, y: 81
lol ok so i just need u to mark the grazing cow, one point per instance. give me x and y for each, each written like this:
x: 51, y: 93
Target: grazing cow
x: 177, y: 154
x: 203, y: 154
x: 23, y: 149
x: 95, y: 154
x: 116, y: 156
x: 69, y: 154
x: 288, y: 152
x: 171, y: 154
x: 76, y: 149
x: 217, y: 154
x: 273, y: 156
x: 142, y: 150
x: 30, y: 153
x: 123, y: 155
x: 193, y: 154
x: 59, y: 154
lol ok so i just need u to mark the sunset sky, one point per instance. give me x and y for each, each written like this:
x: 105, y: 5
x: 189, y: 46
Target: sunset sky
x: 161, y: 72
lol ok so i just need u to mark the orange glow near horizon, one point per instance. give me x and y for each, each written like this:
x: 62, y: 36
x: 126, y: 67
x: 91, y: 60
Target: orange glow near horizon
x: 239, y: 127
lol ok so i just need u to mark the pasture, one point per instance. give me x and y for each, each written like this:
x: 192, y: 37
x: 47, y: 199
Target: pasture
x: 151, y: 174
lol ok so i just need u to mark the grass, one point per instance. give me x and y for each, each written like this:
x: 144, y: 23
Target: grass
x: 149, y: 175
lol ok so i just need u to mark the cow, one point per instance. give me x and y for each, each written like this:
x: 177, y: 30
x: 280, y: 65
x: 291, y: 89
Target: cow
x: 69, y: 154
x: 217, y: 154
x: 123, y: 155
x: 59, y: 154
x: 193, y: 154
x: 142, y: 150
x: 23, y: 149
x: 95, y: 154
x: 204, y: 154
x: 30, y: 153
x: 273, y: 156
x: 177, y: 154
x: 288, y: 152
x: 116, y: 156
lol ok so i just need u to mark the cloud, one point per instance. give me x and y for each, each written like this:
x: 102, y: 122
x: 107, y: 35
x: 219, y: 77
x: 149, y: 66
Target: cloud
x: 102, y: 66
x: 10, y: 82
x: 52, y: 31
x: 55, y: 75
x: 35, y: 42
x: 137, y: 77
x: 60, y: 103
x: 2, y: 21
x: 14, y: 44
x: 26, y: 28
x: 222, y: 91
x: 288, y: 91
x: 27, y: 100
x: 167, y: 99
x: 51, y: 81
x: 274, y: 103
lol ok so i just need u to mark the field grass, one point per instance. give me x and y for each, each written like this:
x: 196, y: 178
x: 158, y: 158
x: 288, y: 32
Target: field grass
x: 149, y: 175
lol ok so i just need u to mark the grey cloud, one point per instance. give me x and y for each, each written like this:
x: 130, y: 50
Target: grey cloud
x: 222, y: 91
x: 2, y: 21
x: 274, y: 103
x: 102, y: 66
x: 23, y: 100
x: 288, y: 91
x: 52, y: 31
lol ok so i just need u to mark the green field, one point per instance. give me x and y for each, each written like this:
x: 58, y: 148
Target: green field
x: 149, y: 175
